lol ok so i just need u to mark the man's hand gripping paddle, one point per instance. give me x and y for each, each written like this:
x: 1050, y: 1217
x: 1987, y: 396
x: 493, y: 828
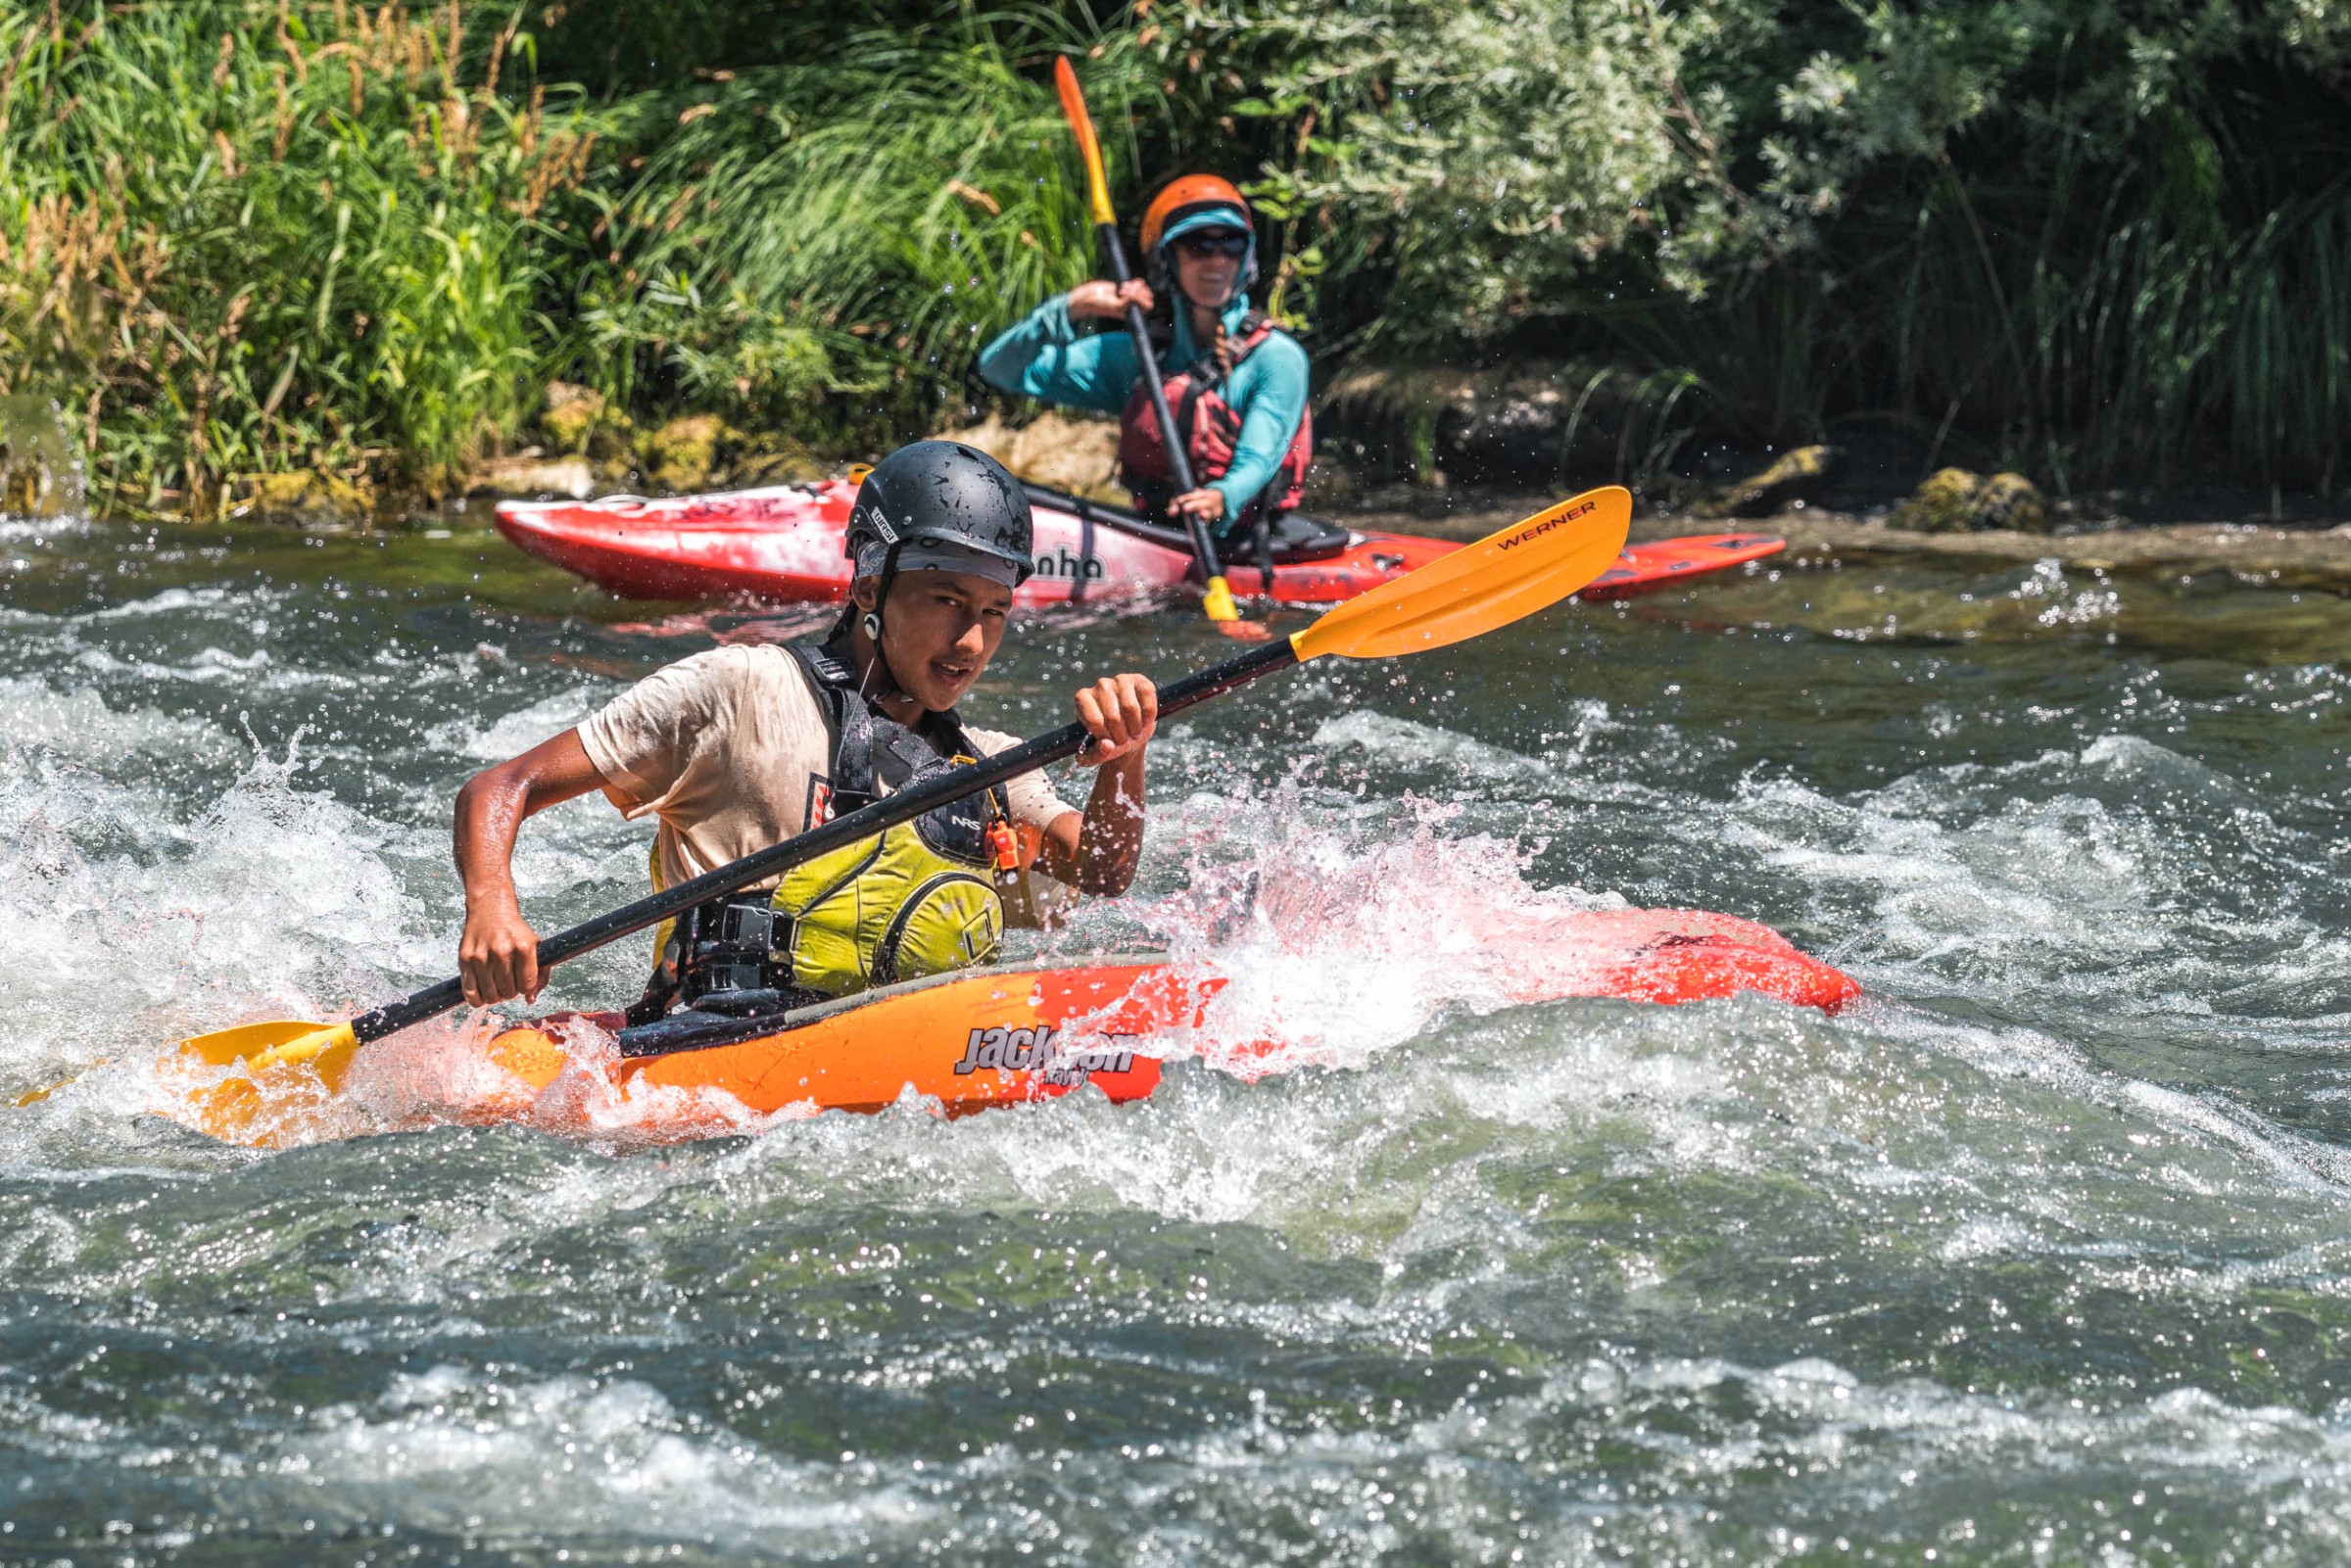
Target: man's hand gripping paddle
x: 1217, y: 599
x: 1503, y: 578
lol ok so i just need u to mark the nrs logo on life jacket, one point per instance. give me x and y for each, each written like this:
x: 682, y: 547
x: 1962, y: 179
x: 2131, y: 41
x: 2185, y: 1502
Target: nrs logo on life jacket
x: 1031, y: 1050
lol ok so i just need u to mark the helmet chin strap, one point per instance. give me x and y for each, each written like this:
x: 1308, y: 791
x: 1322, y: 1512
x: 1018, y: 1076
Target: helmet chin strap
x: 871, y: 624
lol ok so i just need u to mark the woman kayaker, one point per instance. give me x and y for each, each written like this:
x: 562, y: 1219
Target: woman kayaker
x: 1236, y: 384
x: 741, y: 748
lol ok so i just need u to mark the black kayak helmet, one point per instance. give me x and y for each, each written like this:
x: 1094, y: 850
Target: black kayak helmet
x: 941, y: 503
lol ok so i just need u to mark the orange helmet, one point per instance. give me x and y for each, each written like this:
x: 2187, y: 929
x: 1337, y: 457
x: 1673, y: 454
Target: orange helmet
x: 1190, y: 197
x: 1186, y: 195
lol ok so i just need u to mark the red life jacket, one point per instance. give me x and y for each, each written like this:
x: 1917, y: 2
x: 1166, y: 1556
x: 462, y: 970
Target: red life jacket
x: 1211, y: 428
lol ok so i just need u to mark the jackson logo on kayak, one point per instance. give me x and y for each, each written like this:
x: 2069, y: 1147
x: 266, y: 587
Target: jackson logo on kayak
x: 1539, y: 529
x: 1031, y: 1050
x: 1066, y: 565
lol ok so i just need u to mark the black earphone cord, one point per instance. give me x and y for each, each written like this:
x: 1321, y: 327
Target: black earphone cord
x: 873, y: 632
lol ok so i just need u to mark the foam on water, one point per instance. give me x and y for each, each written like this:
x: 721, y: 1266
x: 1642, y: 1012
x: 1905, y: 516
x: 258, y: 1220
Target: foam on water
x: 2039, y: 1253
x: 516, y: 731
x: 46, y: 726
x: 494, y: 1460
x: 1323, y: 934
x: 2119, y: 876
x: 156, y: 922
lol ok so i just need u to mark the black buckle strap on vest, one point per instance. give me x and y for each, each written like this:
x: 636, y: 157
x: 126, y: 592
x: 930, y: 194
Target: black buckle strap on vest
x: 722, y: 956
x: 872, y: 749
x: 720, y: 959
x: 729, y: 970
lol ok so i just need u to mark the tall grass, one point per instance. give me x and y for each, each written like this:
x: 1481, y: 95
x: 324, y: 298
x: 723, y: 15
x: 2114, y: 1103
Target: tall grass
x: 251, y: 238
x: 831, y: 241
x: 2086, y: 330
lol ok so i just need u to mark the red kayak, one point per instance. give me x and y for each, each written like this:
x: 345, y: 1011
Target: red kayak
x: 1662, y: 562
x: 783, y: 544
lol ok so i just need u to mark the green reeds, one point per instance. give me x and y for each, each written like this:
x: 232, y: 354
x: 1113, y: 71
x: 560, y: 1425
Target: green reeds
x: 242, y: 238
x: 831, y: 241
x: 2109, y: 350
x: 248, y: 239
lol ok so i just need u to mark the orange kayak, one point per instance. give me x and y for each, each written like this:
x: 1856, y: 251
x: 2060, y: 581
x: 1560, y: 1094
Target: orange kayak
x: 997, y: 1036
x: 957, y: 1043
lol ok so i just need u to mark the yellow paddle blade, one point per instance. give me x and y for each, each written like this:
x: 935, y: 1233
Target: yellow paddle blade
x: 36, y: 1096
x: 1081, y: 125
x: 223, y: 1047
x: 1218, y: 601
x: 279, y: 1044
x: 226, y: 1109
x: 327, y: 1047
x: 1504, y: 577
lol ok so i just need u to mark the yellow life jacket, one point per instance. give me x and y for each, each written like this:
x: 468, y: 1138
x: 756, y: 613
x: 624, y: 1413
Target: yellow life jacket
x: 921, y: 899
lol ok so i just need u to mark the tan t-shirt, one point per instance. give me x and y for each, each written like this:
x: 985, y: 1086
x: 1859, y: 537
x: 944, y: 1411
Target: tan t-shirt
x: 730, y: 750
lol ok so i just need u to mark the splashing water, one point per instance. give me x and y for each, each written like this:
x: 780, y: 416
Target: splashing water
x: 2039, y: 1254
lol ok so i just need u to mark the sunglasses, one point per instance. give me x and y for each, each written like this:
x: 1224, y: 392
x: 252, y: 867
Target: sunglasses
x: 1215, y: 242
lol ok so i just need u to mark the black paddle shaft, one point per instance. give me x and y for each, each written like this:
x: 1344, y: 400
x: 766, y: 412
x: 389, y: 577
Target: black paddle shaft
x: 907, y: 804
x: 1180, y: 462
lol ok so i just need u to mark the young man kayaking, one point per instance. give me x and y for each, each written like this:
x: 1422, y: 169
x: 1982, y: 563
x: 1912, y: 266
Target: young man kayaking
x: 1236, y: 383
x: 741, y: 748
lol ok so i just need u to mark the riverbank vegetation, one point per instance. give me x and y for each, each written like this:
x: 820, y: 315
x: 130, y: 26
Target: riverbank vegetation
x: 2103, y: 243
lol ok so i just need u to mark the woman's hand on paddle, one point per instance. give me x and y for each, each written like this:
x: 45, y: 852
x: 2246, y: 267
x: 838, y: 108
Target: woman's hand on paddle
x: 1108, y: 300
x: 1209, y: 504
x: 498, y: 958
x: 1119, y: 712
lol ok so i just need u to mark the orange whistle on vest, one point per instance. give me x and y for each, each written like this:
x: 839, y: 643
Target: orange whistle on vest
x: 1005, y: 840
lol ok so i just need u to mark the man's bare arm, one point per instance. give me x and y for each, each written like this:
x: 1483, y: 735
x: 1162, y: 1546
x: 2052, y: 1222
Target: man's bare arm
x: 499, y: 954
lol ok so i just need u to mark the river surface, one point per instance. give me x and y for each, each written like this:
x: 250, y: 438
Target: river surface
x: 2040, y: 1253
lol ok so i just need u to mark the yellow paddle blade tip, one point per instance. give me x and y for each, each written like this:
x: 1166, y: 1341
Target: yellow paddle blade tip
x: 303, y: 1048
x: 229, y: 1110
x: 226, y: 1046
x: 1218, y: 600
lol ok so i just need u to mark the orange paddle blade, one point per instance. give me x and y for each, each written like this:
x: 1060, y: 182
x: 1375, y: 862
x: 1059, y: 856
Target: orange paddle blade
x: 1504, y: 577
x: 1081, y: 125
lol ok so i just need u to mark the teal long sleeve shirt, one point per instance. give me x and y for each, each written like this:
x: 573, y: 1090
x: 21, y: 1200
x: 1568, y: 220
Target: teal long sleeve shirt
x: 1045, y: 356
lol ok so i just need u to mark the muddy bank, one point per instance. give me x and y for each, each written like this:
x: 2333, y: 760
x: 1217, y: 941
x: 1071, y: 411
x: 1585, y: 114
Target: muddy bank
x: 2260, y: 556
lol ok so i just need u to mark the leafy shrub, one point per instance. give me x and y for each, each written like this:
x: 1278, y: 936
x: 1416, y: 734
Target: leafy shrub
x: 2103, y: 240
